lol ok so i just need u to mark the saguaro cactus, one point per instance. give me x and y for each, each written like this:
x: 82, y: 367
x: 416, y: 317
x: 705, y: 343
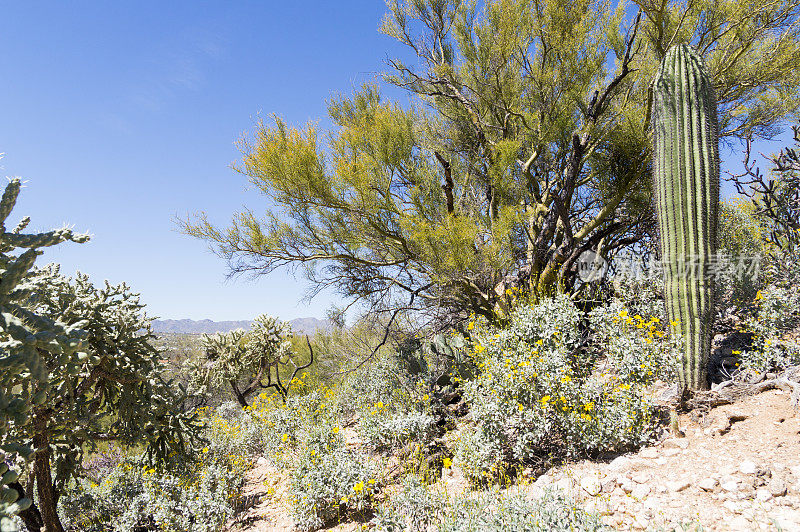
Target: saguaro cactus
x: 686, y: 157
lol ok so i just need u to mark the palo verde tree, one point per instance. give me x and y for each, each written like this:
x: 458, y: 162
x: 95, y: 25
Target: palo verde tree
x: 527, y: 143
x: 110, y: 390
x: 248, y: 362
x: 27, y: 339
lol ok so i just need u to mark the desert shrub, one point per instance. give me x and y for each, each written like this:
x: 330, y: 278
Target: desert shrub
x: 381, y: 380
x: 134, y: 496
x: 637, y: 349
x: 418, y: 508
x: 742, y: 237
x: 641, y: 293
x: 534, y: 397
x: 777, y: 312
x: 197, y: 495
x: 384, y: 432
x: 330, y: 481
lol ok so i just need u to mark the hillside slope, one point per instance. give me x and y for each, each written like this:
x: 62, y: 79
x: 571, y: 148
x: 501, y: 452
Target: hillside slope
x: 737, y: 468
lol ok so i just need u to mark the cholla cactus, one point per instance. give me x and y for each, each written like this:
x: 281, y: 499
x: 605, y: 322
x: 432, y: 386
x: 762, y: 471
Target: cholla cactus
x: 24, y: 336
x: 685, y: 134
x: 109, y: 390
x: 248, y: 362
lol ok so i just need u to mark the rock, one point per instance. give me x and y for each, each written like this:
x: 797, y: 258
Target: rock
x: 564, y: 484
x: 627, y: 485
x: 777, y: 487
x: 591, y: 485
x: 650, y: 452
x: 675, y: 443
x: 786, y: 519
x: 640, y: 521
x: 641, y: 478
x: 731, y: 485
x: 671, y: 452
x: 708, y: 484
x: 678, y: 485
x: 608, y: 520
x: 262, y: 461
x: 732, y: 507
x: 609, y: 483
x: 740, y: 523
x: 661, y: 460
x: 640, y: 491
x: 748, y: 468
x: 763, y: 495
x: 620, y: 462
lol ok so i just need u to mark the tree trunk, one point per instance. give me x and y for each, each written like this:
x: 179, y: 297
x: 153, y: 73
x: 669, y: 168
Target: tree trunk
x: 239, y: 395
x: 44, y: 481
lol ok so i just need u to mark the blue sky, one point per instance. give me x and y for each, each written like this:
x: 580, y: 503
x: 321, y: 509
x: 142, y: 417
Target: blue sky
x: 124, y: 115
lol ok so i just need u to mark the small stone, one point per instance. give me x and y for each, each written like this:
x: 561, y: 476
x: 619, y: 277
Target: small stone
x: 675, y: 443
x: 591, y: 485
x: 732, y: 507
x: 708, y: 484
x: 262, y: 461
x: 730, y: 486
x: 641, y: 478
x: 627, y: 485
x: 671, y: 452
x: 777, y: 487
x: 620, y: 462
x: 618, y: 492
x: 640, y: 491
x: 748, y: 468
x: 649, y: 452
x: 661, y: 461
x: 678, y: 485
x: 641, y: 522
x: 739, y: 523
x: 763, y: 495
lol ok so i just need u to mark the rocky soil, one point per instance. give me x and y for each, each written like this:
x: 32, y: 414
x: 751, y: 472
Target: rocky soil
x: 736, y: 468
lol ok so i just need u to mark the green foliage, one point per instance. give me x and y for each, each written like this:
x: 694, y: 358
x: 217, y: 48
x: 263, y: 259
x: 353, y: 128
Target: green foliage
x: 330, y: 481
x: 686, y: 156
x: 419, y: 508
x: 127, y: 494
x: 523, y: 146
x: 778, y: 312
x: 246, y: 361
x: 537, y: 397
x: 26, y: 336
x: 637, y: 349
x: 109, y: 390
x: 742, y: 236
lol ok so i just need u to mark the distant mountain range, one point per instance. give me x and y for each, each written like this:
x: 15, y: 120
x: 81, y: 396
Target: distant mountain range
x: 299, y: 325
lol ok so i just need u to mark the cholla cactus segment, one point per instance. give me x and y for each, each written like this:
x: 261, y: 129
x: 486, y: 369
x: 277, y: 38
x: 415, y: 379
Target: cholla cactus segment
x: 25, y: 337
x: 686, y: 169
